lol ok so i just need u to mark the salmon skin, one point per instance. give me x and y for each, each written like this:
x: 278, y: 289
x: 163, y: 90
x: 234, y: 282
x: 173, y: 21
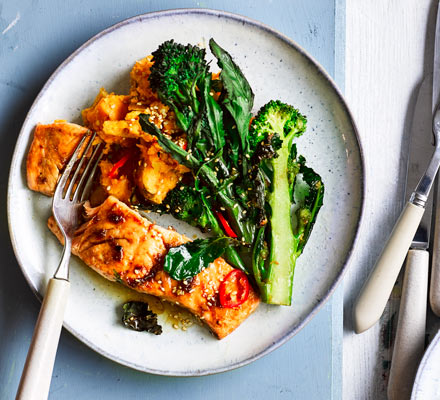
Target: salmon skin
x: 51, y: 148
x: 121, y: 245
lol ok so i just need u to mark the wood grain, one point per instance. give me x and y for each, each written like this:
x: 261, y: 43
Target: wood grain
x: 387, y: 46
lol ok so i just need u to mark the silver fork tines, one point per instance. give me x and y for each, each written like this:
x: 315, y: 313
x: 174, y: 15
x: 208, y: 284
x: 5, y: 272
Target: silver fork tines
x: 68, y: 198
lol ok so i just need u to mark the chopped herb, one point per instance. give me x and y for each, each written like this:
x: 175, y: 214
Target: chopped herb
x: 117, y: 276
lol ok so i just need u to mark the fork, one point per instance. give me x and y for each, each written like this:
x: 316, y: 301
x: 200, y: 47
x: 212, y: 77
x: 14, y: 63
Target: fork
x: 67, y: 204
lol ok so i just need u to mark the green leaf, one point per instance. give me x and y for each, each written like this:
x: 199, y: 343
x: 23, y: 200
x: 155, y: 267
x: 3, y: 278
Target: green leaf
x: 240, y: 98
x: 214, y: 114
x: 139, y: 317
x: 187, y: 260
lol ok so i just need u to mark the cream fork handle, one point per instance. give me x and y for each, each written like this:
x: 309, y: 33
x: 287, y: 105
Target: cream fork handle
x: 37, y: 372
x: 410, y: 334
x: 434, y: 289
x: 376, y: 291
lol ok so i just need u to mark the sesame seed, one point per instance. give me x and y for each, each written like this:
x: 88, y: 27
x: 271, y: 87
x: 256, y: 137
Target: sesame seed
x: 175, y: 326
x: 109, y: 187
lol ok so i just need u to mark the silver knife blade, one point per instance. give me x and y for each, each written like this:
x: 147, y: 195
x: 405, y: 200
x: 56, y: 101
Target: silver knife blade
x: 436, y: 66
x: 421, y: 140
x: 420, y: 151
x: 434, y: 290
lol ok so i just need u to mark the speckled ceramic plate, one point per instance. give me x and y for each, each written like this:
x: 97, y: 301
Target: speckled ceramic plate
x: 276, y: 68
x: 427, y: 382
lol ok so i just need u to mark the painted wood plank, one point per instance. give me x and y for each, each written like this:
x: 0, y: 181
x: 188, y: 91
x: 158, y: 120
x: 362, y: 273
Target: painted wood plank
x: 385, y: 52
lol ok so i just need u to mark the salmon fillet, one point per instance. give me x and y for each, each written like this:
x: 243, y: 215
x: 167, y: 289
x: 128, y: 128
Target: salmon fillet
x: 50, y: 150
x: 122, y: 246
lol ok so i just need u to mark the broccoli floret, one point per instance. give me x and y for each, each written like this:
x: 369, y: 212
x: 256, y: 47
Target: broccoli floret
x: 276, y: 118
x: 175, y: 75
x: 185, y: 203
x: 280, y: 120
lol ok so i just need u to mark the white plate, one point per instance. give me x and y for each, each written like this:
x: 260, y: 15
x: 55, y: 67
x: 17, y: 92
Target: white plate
x: 276, y: 68
x: 427, y: 381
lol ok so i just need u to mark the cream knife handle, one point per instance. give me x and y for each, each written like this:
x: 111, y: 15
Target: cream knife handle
x: 37, y: 372
x: 434, y: 289
x: 376, y: 291
x: 410, y: 335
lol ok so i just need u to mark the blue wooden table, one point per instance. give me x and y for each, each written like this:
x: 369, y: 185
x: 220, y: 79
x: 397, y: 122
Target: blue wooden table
x: 36, y: 36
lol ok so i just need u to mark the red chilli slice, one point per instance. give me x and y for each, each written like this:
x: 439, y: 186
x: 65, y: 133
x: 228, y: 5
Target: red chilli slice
x: 114, y: 171
x: 234, y: 289
x: 225, y: 225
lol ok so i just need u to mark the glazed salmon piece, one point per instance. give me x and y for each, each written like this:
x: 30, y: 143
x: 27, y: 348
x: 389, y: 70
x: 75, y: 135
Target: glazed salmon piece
x: 50, y: 150
x: 121, y: 245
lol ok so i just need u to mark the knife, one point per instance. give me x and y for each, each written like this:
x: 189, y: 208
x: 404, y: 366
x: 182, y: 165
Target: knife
x: 434, y: 289
x: 376, y: 291
x: 410, y: 334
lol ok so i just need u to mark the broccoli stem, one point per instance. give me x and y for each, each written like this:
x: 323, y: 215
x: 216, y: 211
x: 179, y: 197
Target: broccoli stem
x: 283, y: 247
